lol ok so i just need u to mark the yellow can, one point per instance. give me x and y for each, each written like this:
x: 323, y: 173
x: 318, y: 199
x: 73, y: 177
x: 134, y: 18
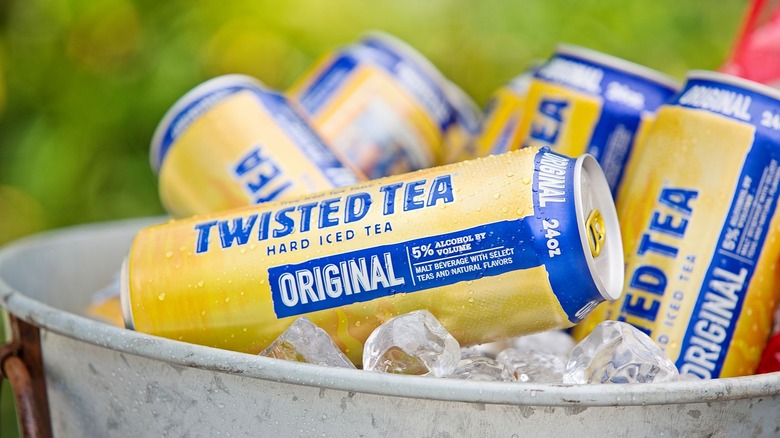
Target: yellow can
x: 232, y: 142
x: 496, y: 247
x: 501, y: 128
x: 582, y: 101
x: 385, y: 107
x: 698, y: 212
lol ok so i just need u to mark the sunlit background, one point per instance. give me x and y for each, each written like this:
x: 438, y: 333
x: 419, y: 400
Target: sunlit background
x: 83, y: 83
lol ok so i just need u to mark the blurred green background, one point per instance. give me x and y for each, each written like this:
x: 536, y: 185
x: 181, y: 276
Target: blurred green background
x: 83, y: 83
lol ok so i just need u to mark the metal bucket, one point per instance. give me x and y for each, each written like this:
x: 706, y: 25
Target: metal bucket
x: 97, y: 380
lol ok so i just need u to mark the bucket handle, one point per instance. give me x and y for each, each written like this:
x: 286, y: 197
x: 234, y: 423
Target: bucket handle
x: 17, y: 357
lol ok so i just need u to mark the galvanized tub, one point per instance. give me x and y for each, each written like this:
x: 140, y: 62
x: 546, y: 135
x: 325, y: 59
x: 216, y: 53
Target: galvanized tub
x: 105, y: 381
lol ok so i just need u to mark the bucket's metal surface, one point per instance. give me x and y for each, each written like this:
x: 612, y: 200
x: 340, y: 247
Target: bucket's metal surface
x: 105, y: 381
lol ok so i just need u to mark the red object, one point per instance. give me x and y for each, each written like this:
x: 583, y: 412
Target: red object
x: 757, y: 48
x: 770, y: 362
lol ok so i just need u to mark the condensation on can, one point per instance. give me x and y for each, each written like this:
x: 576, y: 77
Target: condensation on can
x: 698, y: 215
x: 231, y: 142
x: 494, y: 248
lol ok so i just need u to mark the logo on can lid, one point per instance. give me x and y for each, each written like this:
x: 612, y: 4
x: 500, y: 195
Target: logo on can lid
x: 597, y: 232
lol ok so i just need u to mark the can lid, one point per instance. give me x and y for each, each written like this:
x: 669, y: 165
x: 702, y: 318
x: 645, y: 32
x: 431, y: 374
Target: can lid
x: 618, y: 63
x: 464, y: 106
x: 600, y: 231
x: 157, y: 151
x: 735, y: 81
x: 124, y: 298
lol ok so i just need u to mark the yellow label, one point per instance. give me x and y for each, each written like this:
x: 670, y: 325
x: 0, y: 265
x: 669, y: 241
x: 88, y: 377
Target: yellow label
x: 237, y: 154
x: 501, y: 129
x: 220, y: 280
x: 558, y: 117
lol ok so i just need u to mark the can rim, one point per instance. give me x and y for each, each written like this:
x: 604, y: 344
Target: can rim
x: 188, y: 97
x: 735, y: 81
x: 610, y: 282
x: 619, y: 63
x: 124, y: 299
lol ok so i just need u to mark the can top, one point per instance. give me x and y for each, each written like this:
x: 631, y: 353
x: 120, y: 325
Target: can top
x: 735, y: 81
x: 619, y: 64
x: 600, y: 231
x: 193, y: 104
x: 462, y: 104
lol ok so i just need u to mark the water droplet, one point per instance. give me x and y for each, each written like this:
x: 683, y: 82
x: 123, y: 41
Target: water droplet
x: 521, y: 212
x: 357, y: 323
x: 526, y: 180
x: 169, y: 254
x: 497, y: 195
x: 202, y: 313
x: 227, y: 300
x: 200, y: 283
x: 252, y: 246
x: 504, y: 209
x: 242, y: 251
x: 510, y: 174
x: 471, y: 300
x: 182, y: 248
x: 161, y: 297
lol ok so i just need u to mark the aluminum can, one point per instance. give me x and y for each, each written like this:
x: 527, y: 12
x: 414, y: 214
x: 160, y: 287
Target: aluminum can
x: 582, y: 101
x: 232, y: 142
x: 698, y: 215
x: 501, y: 127
x: 515, y: 243
x: 385, y: 107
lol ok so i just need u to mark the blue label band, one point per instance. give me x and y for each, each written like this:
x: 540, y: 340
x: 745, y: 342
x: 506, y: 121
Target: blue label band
x: 405, y: 267
x: 737, y: 103
x: 557, y: 234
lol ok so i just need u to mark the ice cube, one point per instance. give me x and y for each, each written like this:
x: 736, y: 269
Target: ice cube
x: 533, y: 366
x: 483, y: 369
x: 490, y: 349
x: 616, y: 352
x: 304, y: 342
x: 555, y: 342
x: 412, y: 343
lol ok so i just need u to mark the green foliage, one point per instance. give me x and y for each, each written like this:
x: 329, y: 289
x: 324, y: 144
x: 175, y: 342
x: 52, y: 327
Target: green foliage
x: 83, y: 83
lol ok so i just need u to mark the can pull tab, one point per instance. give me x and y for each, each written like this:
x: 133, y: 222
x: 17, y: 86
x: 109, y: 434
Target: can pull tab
x: 597, y: 232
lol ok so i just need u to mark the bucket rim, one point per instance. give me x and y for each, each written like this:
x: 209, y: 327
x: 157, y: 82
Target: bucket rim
x: 179, y: 353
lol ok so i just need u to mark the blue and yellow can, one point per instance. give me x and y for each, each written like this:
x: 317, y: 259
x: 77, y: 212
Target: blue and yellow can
x: 494, y: 248
x: 385, y: 107
x: 501, y: 127
x: 701, y: 231
x: 582, y: 101
x: 232, y: 142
